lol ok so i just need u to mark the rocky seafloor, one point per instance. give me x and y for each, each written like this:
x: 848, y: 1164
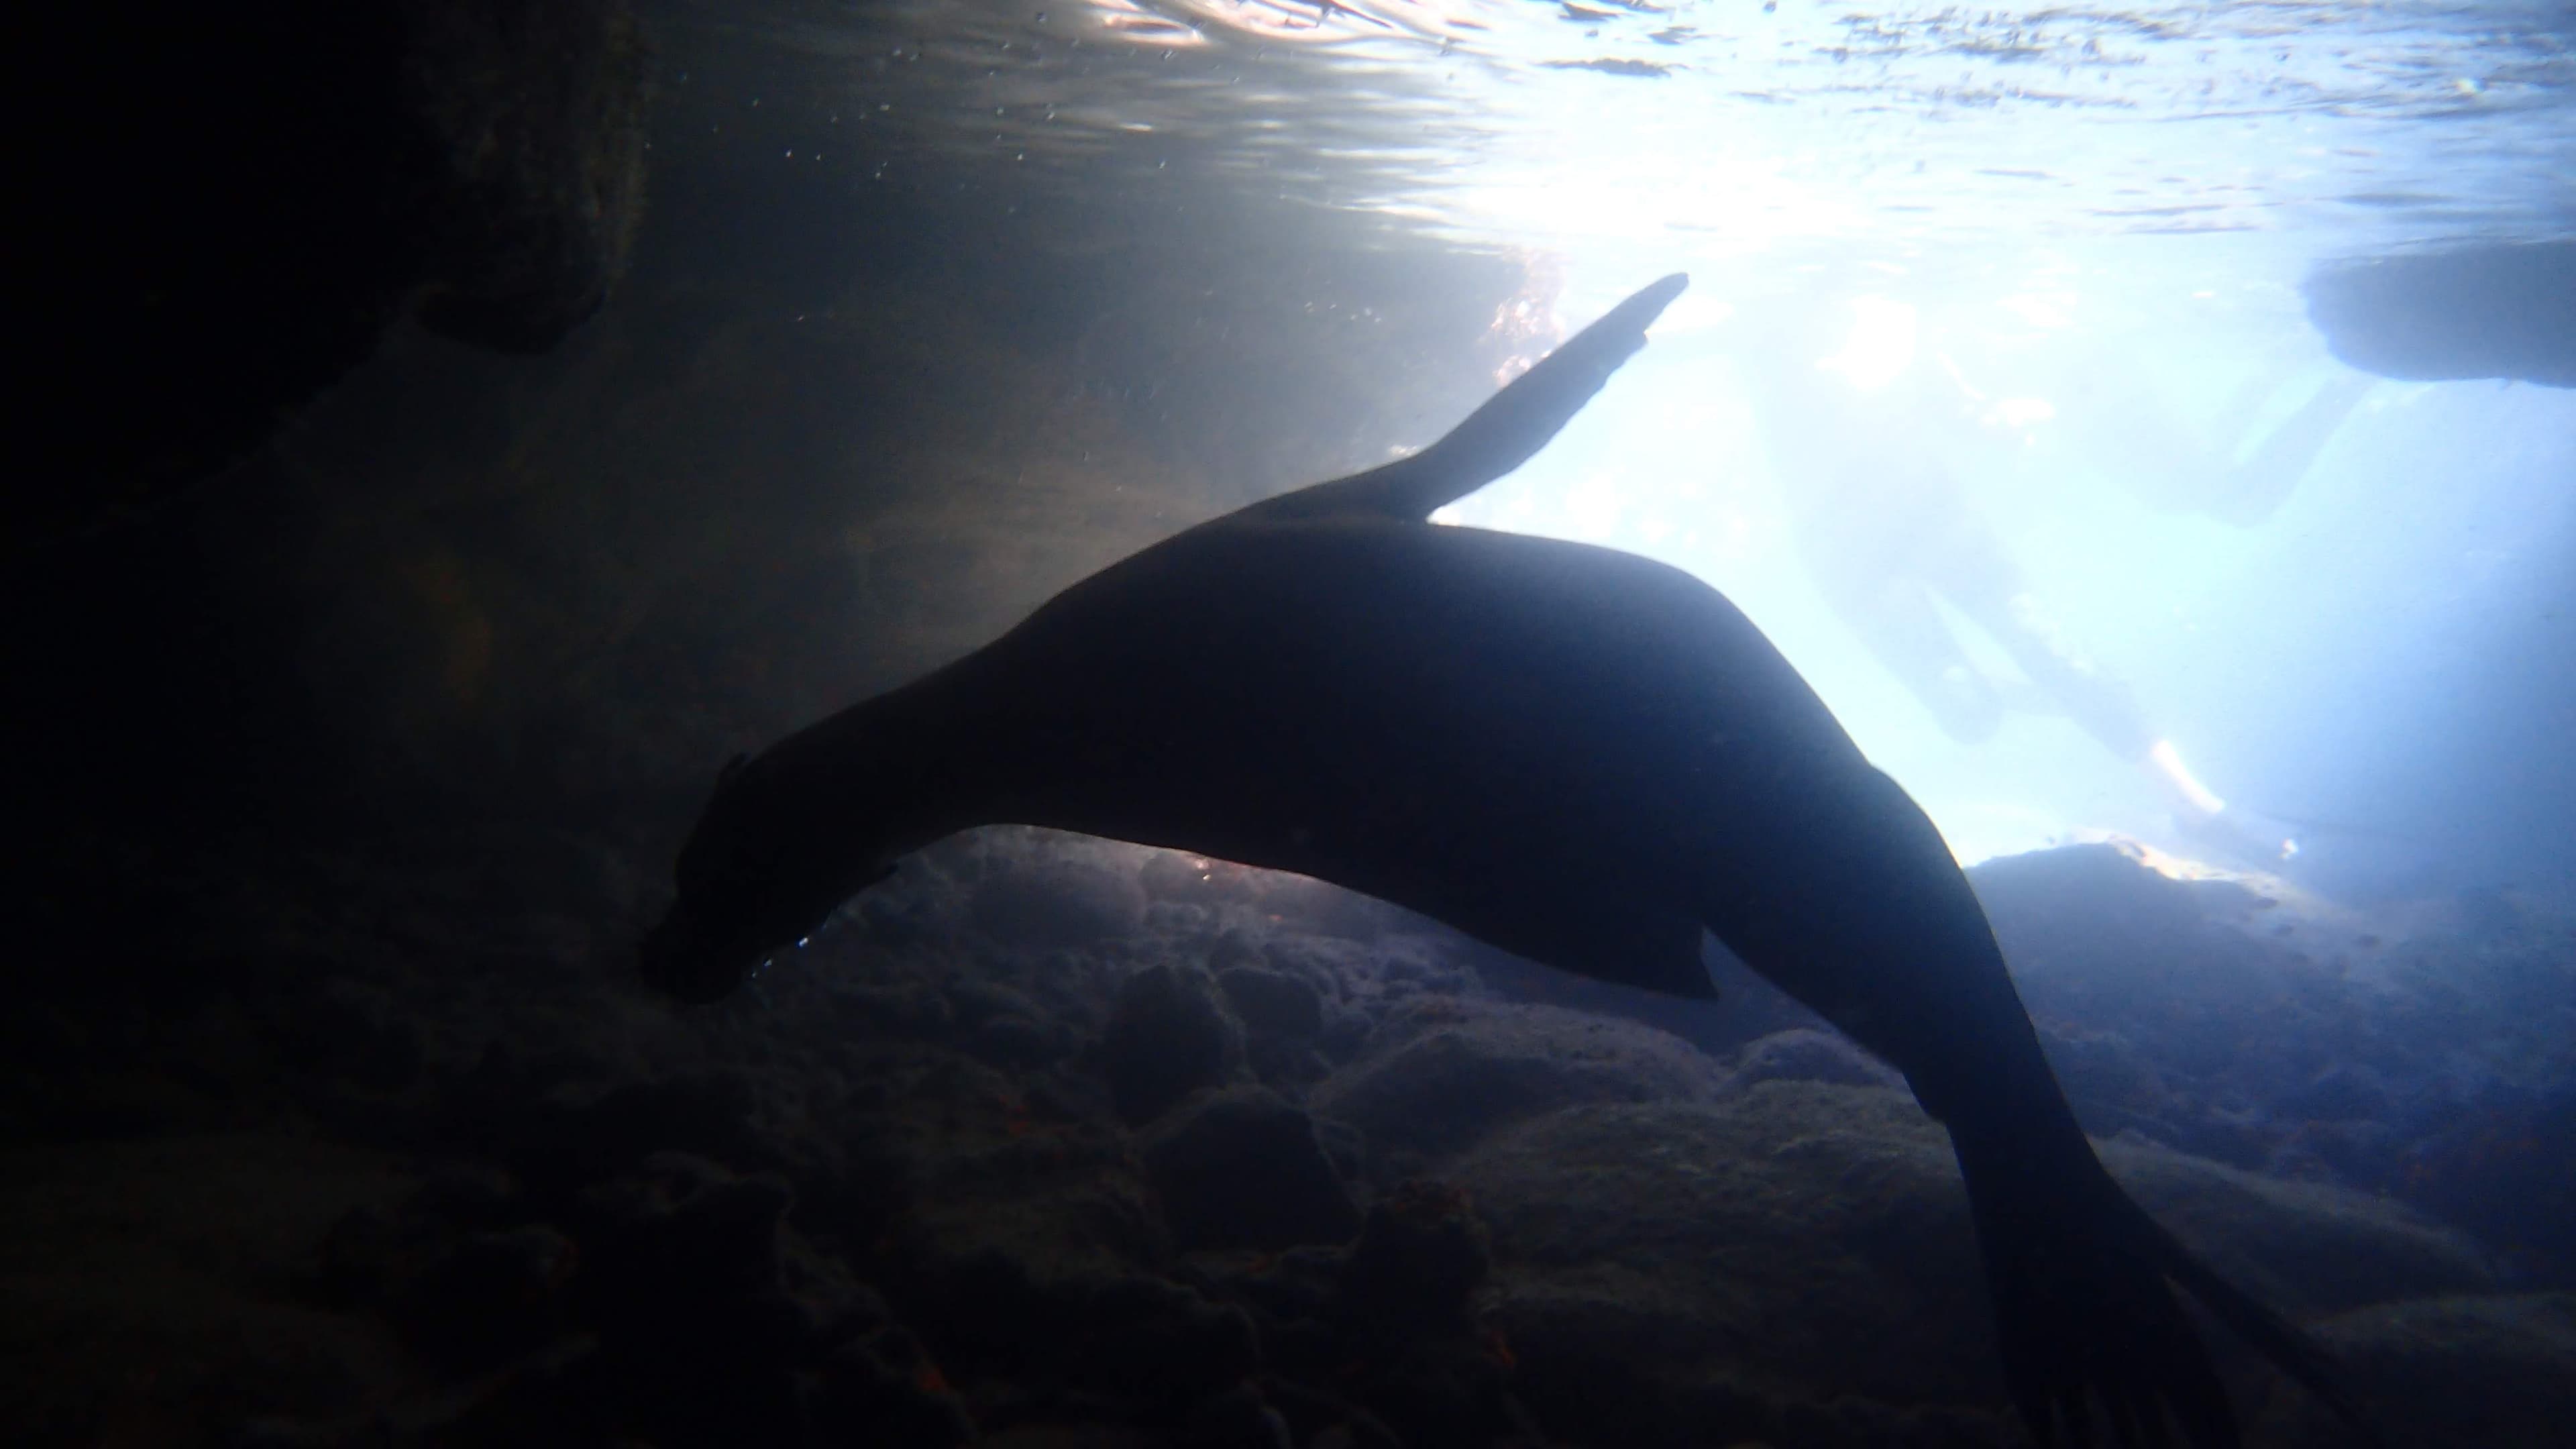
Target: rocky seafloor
x: 1049, y: 1142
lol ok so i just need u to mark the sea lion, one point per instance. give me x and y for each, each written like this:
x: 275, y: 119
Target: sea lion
x: 1575, y: 754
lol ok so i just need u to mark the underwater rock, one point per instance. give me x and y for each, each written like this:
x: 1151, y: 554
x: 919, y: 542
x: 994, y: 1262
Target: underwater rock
x: 1151, y: 1338
x: 1689, y: 1221
x: 1237, y: 1419
x: 1338, y: 969
x: 537, y: 114
x: 1169, y: 1035
x: 482, y: 164
x: 1272, y: 1002
x: 1803, y: 1054
x: 1614, y: 1361
x: 2302, y: 1247
x: 563, y: 1143
x: 684, y: 1280
x: 1327, y: 1420
x: 1243, y: 1169
x: 973, y: 1002
x: 883, y: 1390
x: 1001, y: 1243
x: 1169, y: 875
x: 487, y: 1299
x: 164, y: 1289
x: 2109, y: 1082
x: 1284, y: 1022
x: 1742, y: 1246
x: 1055, y: 901
x: 2504, y: 1170
x: 1003, y: 1026
x: 2497, y: 1371
x: 1420, y: 1256
x: 2167, y: 1007
x: 902, y: 1009
x: 678, y: 1243
x: 371, y: 1256
x: 563, y: 1393
x: 1458, y: 1071
x: 1290, y: 1294
x: 358, y: 1035
x: 2098, y: 940
x: 1018, y: 1041
x: 1345, y: 1146
x: 2321, y: 1151
x: 2340, y: 1094
x: 2417, y: 1069
x: 2483, y: 310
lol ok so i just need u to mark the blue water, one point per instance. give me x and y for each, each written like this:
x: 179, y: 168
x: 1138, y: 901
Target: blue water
x: 2364, y: 675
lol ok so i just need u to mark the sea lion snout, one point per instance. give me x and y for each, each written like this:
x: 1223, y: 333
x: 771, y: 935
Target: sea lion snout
x: 713, y: 939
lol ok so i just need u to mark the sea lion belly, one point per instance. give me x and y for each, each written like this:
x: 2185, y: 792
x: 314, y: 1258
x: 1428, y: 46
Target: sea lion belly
x: 1548, y: 744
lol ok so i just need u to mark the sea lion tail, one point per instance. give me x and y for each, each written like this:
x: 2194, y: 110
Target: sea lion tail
x: 1515, y: 423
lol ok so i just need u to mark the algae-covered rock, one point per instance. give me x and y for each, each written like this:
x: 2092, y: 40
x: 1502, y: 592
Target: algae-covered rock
x: 2490, y: 1371
x: 1273, y: 1002
x: 1457, y: 1071
x: 488, y: 1299
x: 1169, y: 1035
x: 1765, y: 1234
x: 1157, y: 1340
x: 480, y: 163
x: 1420, y: 1256
x: 165, y: 1287
x: 1243, y: 1169
x: 1064, y: 898
x: 1803, y: 1054
x: 2303, y: 1247
x: 1745, y: 1245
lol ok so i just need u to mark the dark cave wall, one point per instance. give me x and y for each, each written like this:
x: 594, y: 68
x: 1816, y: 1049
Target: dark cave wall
x: 243, y: 198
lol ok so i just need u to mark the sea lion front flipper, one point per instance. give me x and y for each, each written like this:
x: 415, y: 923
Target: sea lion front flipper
x: 1495, y: 439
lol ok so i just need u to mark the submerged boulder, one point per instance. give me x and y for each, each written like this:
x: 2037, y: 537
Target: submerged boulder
x: 2486, y: 310
x: 1421, y: 1256
x: 1803, y: 1054
x: 1243, y: 1169
x: 1456, y: 1072
x: 1150, y: 1338
x: 2460, y: 1370
x: 1273, y: 1002
x: 1056, y: 900
x: 1732, y: 1252
x: 1169, y: 1035
x: 152, y: 1287
x: 479, y: 165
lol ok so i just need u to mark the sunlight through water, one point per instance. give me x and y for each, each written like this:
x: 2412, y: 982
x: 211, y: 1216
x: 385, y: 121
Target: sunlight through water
x: 2050, y: 254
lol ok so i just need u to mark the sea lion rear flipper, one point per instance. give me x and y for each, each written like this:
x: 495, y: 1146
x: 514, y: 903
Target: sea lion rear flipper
x: 2083, y: 1316
x: 2082, y: 1281
x: 2288, y: 1346
x: 1495, y: 439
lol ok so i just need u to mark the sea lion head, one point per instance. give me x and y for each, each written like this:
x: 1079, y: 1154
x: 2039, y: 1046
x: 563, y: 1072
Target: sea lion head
x: 750, y: 886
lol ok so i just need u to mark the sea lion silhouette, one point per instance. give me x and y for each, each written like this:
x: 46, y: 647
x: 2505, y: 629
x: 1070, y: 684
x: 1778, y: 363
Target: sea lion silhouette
x: 1575, y: 754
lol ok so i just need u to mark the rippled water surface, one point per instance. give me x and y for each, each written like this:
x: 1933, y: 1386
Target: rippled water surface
x: 1738, y: 124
